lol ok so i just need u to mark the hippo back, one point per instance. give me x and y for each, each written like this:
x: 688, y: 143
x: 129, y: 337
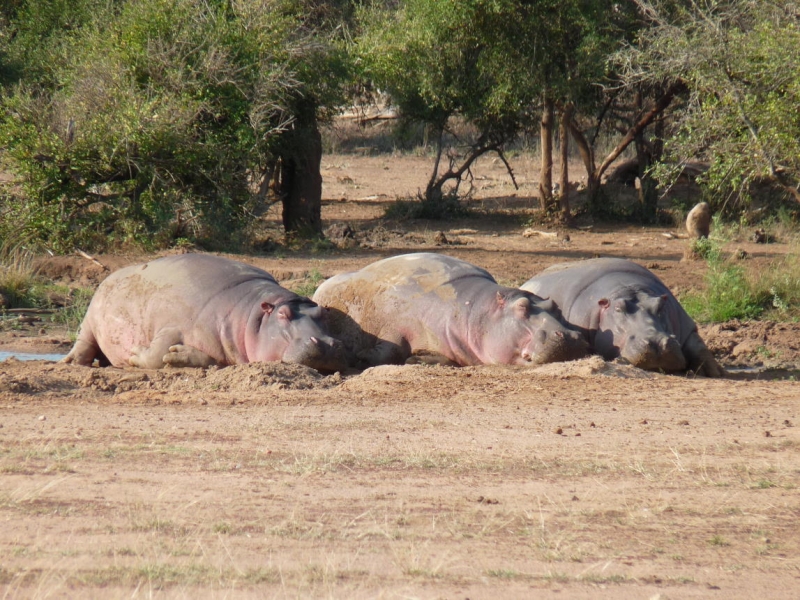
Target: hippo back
x: 576, y: 287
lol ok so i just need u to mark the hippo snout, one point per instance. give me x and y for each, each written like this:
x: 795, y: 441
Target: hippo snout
x: 555, y: 346
x: 322, y: 353
x: 660, y: 353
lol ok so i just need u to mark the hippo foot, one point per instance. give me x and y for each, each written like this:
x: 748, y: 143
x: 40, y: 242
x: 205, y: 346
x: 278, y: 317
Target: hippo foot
x: 180, y: 355
x: 700, y: 359
x: 82, y: 353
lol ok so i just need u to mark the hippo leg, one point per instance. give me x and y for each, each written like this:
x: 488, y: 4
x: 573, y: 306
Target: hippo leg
x: 83, y: 353
x: 699, y: 357
x: 180, y: 355
x: 152, y: 356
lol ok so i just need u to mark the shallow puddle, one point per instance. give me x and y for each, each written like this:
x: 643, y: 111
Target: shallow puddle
x: 30, y: 356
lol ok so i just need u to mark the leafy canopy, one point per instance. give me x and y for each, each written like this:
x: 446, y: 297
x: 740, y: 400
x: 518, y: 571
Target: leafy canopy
x: 741, y: 62
x: 159, y: 116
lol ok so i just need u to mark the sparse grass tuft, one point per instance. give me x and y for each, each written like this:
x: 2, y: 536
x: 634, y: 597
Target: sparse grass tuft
x: 18, y: 280
x: 503, y: 573
x: 718, y: 540
x: 309, y: 287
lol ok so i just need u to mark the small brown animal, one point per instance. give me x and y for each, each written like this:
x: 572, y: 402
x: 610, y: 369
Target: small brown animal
x: 698, y: 221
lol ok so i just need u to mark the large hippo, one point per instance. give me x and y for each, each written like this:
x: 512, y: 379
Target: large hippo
x: 443, y: 310
x: 626, y: 311
x: 196, y: 310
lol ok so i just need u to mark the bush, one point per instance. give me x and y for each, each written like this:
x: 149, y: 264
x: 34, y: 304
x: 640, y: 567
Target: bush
x: 159, y: 124
x: 449, y: 207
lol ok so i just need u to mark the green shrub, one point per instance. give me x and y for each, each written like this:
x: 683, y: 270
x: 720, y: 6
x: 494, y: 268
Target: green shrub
x: 158, y: 124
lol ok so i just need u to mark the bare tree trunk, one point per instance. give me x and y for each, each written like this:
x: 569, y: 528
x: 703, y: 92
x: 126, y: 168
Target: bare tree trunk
x: 563, y: 137
x: 433, y: 192
x: 301, y: 180
x: 546, y: 135
x: 587, y: 155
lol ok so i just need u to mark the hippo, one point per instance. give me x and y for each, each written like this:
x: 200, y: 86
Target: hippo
x: 626, y: 312
x: 197, y: 310
x: 443, y: 310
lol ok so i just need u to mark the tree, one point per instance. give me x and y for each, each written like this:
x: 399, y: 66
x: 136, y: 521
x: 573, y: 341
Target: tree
x: 740, y: 61
x: 445, y: 59
x: 160, y: 121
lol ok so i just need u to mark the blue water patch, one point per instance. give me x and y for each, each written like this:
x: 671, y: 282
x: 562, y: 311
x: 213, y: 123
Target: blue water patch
x: 29, y: 356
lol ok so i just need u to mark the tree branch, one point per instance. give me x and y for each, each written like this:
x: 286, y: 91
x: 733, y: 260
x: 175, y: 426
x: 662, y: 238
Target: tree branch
x: 661, y: 104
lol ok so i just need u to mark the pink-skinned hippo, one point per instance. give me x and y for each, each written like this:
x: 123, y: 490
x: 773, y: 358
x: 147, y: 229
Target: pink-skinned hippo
x: 197, y: 310
x: 442, y: 309
x: 626, y: 312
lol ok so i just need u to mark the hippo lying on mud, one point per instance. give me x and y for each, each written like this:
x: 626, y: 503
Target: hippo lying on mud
x: 626, y: 311
x: 196, y: 310
x: 444, y: 309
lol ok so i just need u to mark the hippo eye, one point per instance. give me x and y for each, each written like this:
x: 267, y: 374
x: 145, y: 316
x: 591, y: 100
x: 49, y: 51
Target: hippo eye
x: 285, y: 313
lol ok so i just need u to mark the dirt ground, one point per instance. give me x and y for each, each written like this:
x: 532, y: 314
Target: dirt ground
x: 571, y: 480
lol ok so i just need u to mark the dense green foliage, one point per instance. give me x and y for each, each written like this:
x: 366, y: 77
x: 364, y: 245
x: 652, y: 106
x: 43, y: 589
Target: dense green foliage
x: 156, y: 121
x: 489, y: 63
x: 151, y: 120
x: 740, y: 60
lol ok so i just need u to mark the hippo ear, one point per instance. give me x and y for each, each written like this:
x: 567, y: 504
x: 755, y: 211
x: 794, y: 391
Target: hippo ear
x: 522, y: 307
x: 267, y: 308
x: 547, y: 305
x: 662, y: 300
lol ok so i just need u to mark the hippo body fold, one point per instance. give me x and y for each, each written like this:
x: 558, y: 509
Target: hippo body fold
x: 626, y: 312
x: 434, y: 308
x: 199, y: 310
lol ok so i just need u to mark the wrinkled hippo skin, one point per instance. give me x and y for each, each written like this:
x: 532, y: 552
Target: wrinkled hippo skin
x: 197, y: 310
x: 442, y: 310
x: 626, y: 311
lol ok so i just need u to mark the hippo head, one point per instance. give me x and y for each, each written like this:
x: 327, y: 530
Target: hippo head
x: 637, y: 327
x: 527, y: 330
x: 295, y: 332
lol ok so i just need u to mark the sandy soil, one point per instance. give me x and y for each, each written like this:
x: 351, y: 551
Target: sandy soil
x: 573, y: 480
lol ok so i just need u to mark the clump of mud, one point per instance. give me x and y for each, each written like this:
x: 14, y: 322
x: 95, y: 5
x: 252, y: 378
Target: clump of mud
x: 255, y: 376
x: 36, y: 377
x: 251, y: 377
x: 592, y: 367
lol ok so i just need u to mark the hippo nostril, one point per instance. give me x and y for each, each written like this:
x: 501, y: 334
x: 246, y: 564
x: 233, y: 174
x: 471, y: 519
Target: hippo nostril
x: 526, y: 355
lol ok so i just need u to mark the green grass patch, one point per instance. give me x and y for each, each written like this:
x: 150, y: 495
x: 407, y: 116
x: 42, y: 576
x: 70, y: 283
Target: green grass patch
x: 308, y: 288
x: 739, y: 290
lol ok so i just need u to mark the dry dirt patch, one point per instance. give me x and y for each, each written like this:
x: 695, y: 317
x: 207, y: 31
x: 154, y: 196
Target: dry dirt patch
x: 579, y: 480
